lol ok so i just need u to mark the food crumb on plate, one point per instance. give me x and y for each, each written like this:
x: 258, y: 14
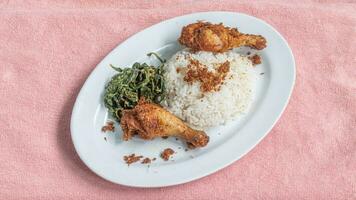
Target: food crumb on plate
x: 108, y: 127
x: 132, y: 159
x: 146, y: 161
x: 167, y: 153
x: 256, y: 59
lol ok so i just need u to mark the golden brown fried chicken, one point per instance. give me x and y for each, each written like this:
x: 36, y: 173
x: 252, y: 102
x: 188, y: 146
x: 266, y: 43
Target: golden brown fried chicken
x: 204, y: 36
x: 149, y: 120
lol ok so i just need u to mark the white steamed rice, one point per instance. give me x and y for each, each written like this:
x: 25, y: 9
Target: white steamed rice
x: 213, y: 108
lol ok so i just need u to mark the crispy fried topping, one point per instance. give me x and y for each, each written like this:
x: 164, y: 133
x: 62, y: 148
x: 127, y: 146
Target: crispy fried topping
x: 132, y: 159
x: 256, y: 59
x: 146, y: 161
x: 209, y: 81
x: 108, y: 127
x: 167, y: 153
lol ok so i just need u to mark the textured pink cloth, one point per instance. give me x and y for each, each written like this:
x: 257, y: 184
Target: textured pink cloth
x: 48, y: 48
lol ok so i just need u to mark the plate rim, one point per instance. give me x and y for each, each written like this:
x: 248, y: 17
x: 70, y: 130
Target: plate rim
x: 196, y: 177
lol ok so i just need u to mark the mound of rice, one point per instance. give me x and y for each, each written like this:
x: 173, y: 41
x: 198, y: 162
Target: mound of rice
x: 204, y: 110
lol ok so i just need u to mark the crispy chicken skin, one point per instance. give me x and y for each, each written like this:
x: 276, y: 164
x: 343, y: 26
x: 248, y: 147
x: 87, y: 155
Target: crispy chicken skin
x: 149, y: 120
x: 204, y: 36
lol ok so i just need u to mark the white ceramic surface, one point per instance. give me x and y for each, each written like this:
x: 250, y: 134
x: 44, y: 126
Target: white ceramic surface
x: 227, y: 143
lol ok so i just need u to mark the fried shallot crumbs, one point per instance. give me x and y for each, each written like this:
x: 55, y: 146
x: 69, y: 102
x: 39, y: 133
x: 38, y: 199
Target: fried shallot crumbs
x: 132, y: 159
x: 166, y: 154
x: 256, y: 59
x: 209, y: 81
x: 146, y: 161
x: 108, y: 127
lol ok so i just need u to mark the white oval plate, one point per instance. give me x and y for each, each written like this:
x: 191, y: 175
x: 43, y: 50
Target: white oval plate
x: 227, y: 143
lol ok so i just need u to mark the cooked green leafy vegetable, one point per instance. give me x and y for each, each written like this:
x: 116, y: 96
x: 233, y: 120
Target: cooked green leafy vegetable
x: 129, y: 84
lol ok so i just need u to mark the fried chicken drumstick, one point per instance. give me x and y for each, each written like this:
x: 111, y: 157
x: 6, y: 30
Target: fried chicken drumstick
x: 149, y: 120
x: 204, y: 36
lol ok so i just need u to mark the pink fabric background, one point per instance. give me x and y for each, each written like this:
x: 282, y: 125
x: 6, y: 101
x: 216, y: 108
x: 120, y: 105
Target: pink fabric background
x: 48, y: 48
